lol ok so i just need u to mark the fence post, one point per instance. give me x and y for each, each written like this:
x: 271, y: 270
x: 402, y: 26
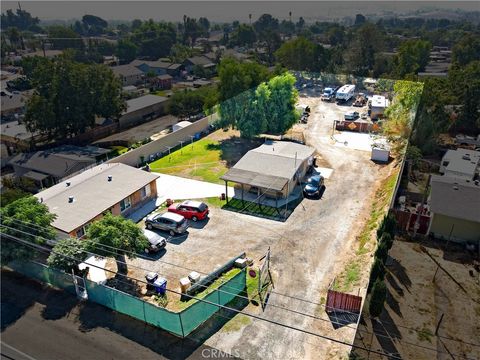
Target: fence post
x: 181, y: 323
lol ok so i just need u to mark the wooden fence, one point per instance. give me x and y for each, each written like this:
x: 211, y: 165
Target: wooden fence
x: 338, y: 301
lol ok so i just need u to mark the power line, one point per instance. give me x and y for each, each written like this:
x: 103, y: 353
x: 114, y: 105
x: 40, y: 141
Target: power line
x: 384, y: 335
x: 14, y: 238
x: 273, y: 292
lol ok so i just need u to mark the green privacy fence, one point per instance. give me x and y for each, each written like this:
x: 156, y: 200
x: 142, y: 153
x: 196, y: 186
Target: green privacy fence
x: 179, y: 323
x: 45, y: 274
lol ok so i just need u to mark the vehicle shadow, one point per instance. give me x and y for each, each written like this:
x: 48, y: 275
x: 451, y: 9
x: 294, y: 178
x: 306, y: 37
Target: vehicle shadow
x: 199, y: 224
x: 155, y: 255
x: 177, y: 239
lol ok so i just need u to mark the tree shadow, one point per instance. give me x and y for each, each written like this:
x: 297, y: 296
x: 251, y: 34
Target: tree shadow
x: 400, y: 273
x: 385, y: 341
x: 393, y: 303
x: 394, y: 284
x: 232, y: 149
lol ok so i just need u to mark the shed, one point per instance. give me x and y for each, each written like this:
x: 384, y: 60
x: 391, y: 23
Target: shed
x: 380, y: 151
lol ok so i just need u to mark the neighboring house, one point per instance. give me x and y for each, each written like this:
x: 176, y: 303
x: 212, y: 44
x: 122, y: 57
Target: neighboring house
x: 143, y: 109
x: 161, y: 82
x: 461, y: 163
x: 216, y: 37
x: 454, y: 205
x: 202, y: 61
x: 158, y: 67
x: 86, y: 197
x: 48, y: 167
x: 13, y: 104
x: 15, y: 136
x: 272, y: 170
x: 128, y: 74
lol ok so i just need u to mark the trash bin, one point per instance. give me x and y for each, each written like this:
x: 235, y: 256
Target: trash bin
x: 151, y: 277
x: 160, y: 286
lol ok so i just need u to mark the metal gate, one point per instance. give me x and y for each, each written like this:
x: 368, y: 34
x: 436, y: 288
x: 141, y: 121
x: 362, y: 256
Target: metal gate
x: 264, y: 279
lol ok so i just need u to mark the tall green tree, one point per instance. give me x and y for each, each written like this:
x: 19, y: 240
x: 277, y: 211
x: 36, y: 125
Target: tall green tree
x: 367, y: 40
x: 69, y: 96
x: 122, y: 236
x: 154, y: 39
x: 63, y: 37
x: 244, y: 35
x: 67, y: 254
x: 302, y: 55
x: 126, y: 51
x: 377, y: 300
x: 412, y: 57
x: 20, y: 19
x: 466, y: 50
x: 29, y: 220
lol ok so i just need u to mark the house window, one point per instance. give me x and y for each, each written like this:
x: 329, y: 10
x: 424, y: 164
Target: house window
x: 80, y: 232
x: 125, y: 204
x: 145, y: 191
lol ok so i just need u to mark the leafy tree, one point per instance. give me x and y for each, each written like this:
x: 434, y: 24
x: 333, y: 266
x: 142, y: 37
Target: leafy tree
x: 336, y: 35
x: 382, y: 252
x: 377, y: 272
x: 14, y: 36
x: 179, y: 53
x: 366, y: 42
x: 388, y: 225
x: 192, y: 31
x: 272, y: 43
x: 23, y: 217
x: 302, y: 55
x: 69, y: 96
x: 243, y: 35
x: 123, y: 237
x: 126, y: 51
x: 136, y: 24
x: 191, y: 102
x: 63, y: 37
x: 412, y: 57
x: 465, y: 84
x: 265, y: 23
x: 10, y: 195
x: 400, y: 113
x: 466, y: 50
x: 154, y: 39
x: 204, y: 25
x: 414, y: 155
x: 387, y: 239
x: 94, y: 25
x: 67, y: 254
x: 21, y: 19
x: 281, y: 105
x: 377, y: 300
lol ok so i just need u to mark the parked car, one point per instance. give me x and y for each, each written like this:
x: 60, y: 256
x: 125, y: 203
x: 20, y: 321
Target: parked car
x: 313, y: 185
x: 190, y: 209
x: 157, y: 242
x: 171, y: 222
x: 352, y: 115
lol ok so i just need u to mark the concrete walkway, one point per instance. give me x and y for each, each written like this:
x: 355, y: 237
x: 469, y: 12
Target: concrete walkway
x: 176, y: 188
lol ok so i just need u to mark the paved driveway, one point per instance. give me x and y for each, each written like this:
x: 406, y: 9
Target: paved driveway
x: 176, y: 188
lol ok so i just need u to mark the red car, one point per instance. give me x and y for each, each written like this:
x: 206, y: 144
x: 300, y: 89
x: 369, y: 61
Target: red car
x: 190, y: 209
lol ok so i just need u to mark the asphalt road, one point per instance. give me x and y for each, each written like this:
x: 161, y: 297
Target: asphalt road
x: 38, y: 322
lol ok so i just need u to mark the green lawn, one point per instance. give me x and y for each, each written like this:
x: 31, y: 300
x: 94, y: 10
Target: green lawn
x: 201, y: 161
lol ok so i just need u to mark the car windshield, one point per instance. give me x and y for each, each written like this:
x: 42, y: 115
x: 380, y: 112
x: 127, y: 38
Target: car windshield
x: 202, y: 207
x: 312, y: 181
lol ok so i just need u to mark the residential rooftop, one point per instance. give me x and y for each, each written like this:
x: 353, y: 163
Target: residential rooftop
x: 92, y: 193
x: 143, y: 102
x: 455, y: 198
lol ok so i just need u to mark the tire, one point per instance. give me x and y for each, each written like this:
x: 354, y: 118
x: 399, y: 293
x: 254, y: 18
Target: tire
x: 149, y: 226
x: 194, y: 218
x: 172, y: 232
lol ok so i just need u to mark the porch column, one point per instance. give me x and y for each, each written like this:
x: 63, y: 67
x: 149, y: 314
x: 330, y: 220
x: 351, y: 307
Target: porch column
x: 226, y: 190
x: 243, y: 203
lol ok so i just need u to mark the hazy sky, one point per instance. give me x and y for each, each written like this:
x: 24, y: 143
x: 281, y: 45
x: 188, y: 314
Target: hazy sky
x: 223, y: 10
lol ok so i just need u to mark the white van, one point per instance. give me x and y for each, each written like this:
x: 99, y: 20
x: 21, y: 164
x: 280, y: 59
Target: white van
x: 345, y: 93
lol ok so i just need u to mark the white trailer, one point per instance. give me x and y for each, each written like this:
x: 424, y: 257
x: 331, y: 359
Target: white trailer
x: 378, y: 105
x: 345, y: 93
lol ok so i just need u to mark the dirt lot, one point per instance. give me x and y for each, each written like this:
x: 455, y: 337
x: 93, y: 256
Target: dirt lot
x: 415, y: 304
x: 308, y: 250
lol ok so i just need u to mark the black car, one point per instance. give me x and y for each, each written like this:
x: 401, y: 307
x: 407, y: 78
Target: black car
x: 313, y: 185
